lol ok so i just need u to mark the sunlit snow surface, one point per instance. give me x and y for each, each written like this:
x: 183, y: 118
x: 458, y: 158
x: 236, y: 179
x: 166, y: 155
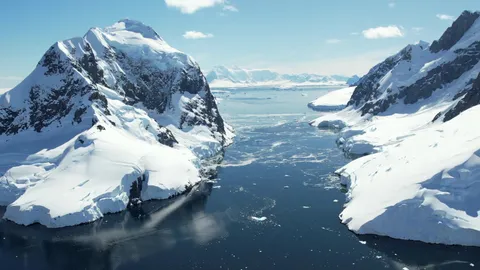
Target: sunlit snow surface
x: 332, y: 101
x: 422, y: 181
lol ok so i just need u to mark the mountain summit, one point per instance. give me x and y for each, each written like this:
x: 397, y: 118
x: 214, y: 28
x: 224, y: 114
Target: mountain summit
x: 116, y: 109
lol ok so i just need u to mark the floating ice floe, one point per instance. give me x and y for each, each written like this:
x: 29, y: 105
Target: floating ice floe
x: 258, y: 218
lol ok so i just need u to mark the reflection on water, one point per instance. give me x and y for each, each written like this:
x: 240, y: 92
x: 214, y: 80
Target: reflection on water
x: 114, y: 240
x: 279, y: 171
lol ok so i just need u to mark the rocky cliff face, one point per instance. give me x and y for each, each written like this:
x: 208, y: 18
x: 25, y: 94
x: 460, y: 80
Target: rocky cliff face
x: 68, y: 81
x: 419, y: 73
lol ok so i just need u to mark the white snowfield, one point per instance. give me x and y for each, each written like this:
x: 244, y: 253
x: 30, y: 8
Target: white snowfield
x: 69, y: 174
x: 236, y: 77
x: 416, y: 179
x: 332, y: 101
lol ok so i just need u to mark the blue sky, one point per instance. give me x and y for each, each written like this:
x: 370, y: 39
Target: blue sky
x: 326, y: 37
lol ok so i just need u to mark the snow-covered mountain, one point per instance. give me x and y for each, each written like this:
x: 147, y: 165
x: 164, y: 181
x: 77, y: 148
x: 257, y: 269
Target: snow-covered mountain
x: 104, y: 120
x: 415, y: 114
x: 235, y: 77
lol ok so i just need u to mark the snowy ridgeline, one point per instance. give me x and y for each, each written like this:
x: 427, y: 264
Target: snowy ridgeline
x: 235, y: 77
x: 332, y: 101
x: 105, y: 120
x: 412, y: 120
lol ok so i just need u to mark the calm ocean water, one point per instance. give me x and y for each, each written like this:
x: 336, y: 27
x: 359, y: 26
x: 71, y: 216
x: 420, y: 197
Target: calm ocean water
x: 275, y: 205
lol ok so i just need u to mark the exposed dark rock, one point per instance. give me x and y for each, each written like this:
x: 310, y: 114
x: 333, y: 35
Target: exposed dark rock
x: 139, y: 79
x: 455, y: 32
x: 471, y: 98
x: 166, y: 137
x: 435, y: 79
x: 442, y: 75
x: 97, y: 96
x: 7, y: 118
x: 51, y: 60
x: 368, y: 85
x: 89, y: 64
x: 101, y: 128
x: 78, y: 114
x: 135, y: 196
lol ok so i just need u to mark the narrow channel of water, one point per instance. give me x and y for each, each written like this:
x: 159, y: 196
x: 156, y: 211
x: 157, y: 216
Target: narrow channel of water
x: 275, y: 205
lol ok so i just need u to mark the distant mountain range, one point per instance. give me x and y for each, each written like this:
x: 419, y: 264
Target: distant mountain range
x: 236, y: 77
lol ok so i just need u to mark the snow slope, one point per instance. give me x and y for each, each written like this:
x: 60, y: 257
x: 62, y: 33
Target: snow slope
x: 3, y: 90
x: 235, y: 77
x: 332, y: 101
x: 104, y: 121
x: 411, y: 121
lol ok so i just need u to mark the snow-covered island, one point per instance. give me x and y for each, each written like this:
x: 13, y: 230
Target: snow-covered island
x: 236, y: 77
x: 332, y: 101
x: 413, y: 119
x: 104, y: 120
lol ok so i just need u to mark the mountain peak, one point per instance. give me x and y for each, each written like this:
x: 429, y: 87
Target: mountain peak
x: 455, y: 32
x: 133, y: 26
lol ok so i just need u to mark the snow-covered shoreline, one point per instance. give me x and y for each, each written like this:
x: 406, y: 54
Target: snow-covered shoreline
x: 332, y: 101
x: 411, y: 121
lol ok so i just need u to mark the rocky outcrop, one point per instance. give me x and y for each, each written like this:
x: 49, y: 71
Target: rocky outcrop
x: 471, y: 98
x: 418, y: 71
x: 454, y: 33
x: 368, y: 87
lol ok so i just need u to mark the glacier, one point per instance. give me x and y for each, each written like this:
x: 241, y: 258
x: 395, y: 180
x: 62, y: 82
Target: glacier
x: 410, y: 124
x: 105, y: 121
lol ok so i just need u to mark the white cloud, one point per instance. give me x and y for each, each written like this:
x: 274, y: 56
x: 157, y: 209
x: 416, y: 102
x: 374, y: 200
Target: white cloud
x: 332, y: 41
x: 192, y: 6
x: 230, y: 8
x: 417, y: 30
x: 445, y: 17
x: 196, y: 35
x: 391, y: 31
x: 391, y: 4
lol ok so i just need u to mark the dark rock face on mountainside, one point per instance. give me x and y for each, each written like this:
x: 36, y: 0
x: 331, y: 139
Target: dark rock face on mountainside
x: 419, y: 71
x: 64, y: 89
x: 471, y: 98
x: 454, y: 33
